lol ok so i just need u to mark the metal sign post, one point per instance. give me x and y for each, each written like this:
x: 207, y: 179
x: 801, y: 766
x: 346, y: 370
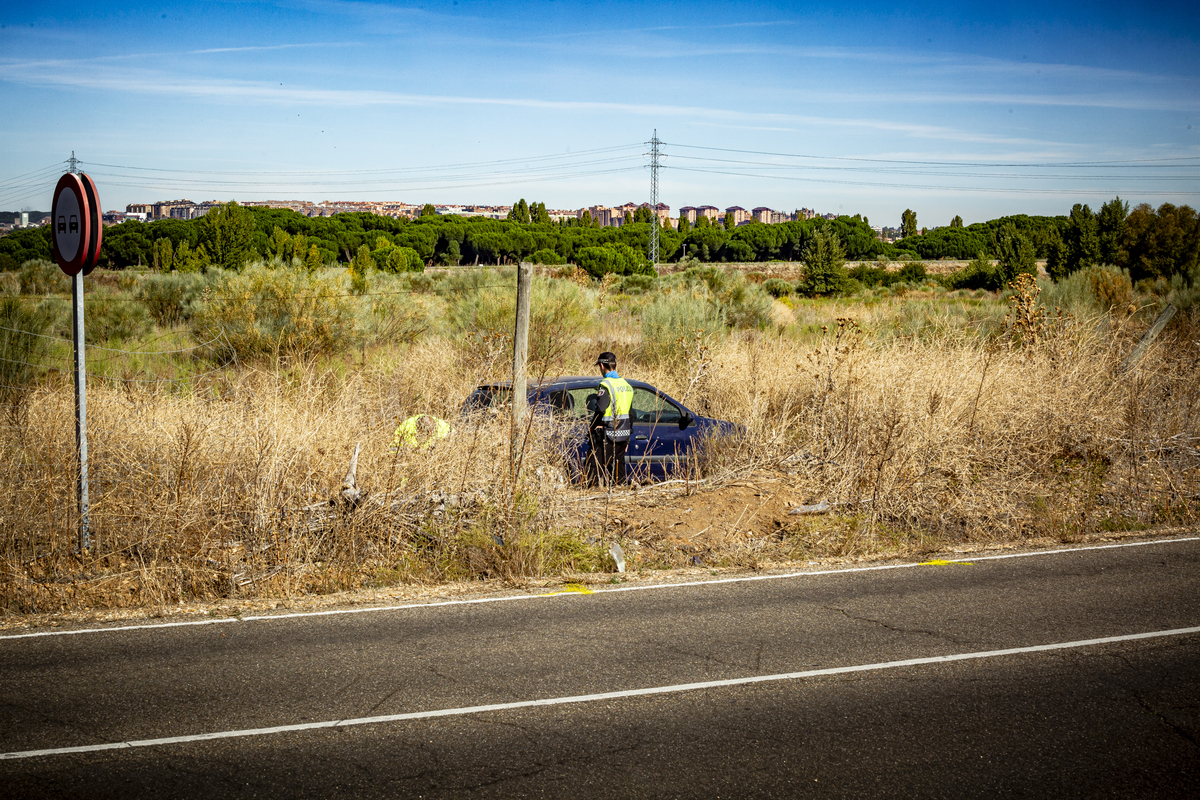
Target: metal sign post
x: 85, y: 539
x: 75, y: 226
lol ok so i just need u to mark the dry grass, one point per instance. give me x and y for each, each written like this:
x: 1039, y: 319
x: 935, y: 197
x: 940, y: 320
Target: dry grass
x: 224, y: 491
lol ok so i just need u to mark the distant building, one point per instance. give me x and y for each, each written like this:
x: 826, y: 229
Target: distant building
x: 193, y: 211
x: 163, y: 208
x: 625, y: 213
x: 740, y: 214
x: 688, y: 213
x: 712, y: 212
x: 662, y: 211
x: 804, y: 213
x: 604, y: 216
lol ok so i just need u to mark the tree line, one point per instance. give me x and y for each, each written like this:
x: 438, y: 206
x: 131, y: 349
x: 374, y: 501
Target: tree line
x: 1149, y: 242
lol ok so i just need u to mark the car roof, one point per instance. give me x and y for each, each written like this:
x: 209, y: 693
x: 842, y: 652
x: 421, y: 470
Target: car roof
x: 563, y: 382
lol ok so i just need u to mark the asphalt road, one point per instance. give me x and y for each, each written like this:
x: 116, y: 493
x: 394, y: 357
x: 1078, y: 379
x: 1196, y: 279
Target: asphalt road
x: 912, y: 699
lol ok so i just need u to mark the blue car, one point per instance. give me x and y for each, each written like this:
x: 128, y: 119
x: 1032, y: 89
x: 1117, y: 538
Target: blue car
x: 665, y: 432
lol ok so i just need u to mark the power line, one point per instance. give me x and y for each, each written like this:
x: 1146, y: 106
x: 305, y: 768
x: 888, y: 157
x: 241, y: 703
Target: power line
x: 448, y: 185
x: 1112, y: 164
x: 994, y: 189
x: 552, y: 170
x: 54, y: 167
x: 383, y: 170
x: 939, y: 173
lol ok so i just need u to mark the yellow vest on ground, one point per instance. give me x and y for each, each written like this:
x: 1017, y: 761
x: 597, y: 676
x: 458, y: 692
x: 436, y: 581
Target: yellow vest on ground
x: 408, y: 435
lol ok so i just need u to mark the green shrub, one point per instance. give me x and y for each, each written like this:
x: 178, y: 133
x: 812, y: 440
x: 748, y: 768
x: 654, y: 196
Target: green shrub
x: 395, y: 318
x: 1184, y: 291
x: 777, y: 287
x: 422, y: 282
x: 745, y: 305
x: 739, y: 303
x: 636, y: 284
x: 23, y: 349
x: 1111, y: 287
x: 867, y: 275
x: 981, y: 273
x: 467, y: 281
x: 715, y: 279
x: 171, y: 298
x: 913, y: 272
x: 43, y: 277
x: 111, y: 316
x: 262, y: 312
x: 559, y: 311
x: 671, y: 322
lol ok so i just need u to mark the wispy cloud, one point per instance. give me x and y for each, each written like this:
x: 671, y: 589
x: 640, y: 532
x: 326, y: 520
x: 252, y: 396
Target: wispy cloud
x: 969, y: 78
x: 149, y: 82
x: 268, y: 47
x: 62, y: 62
x: 607, y: 33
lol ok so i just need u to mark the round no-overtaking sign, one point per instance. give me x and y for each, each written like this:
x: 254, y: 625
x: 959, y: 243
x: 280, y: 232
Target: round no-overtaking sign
x: 76, y: 228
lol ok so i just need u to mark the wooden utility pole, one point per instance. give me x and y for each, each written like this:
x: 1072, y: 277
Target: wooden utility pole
x: 520, y: 354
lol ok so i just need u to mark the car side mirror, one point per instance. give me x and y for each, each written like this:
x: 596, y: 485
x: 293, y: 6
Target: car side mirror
x: 685, y: 421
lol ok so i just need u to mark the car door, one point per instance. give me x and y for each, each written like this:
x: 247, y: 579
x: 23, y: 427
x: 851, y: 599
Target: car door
x: 658, y: 448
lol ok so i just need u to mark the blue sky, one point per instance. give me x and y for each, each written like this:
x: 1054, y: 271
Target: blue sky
x: 972, y: 110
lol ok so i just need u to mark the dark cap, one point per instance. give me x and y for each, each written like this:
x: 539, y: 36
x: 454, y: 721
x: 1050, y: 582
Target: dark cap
x: 606, y: 358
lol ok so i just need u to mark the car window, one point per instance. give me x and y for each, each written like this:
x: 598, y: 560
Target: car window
x: 650, y: 408
x: 584, y: 401
x: 566, y: 402
x: 487, y: 397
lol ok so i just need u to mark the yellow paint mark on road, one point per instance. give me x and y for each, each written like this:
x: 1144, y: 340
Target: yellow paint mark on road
x: 570, y: 588
x: 940, y: 562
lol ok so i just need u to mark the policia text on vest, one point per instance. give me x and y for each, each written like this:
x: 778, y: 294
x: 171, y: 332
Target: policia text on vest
x: 611, y: 425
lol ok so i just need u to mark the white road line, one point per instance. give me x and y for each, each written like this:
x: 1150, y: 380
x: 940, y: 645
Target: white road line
x: 588, y: 698
x: 593, y: 593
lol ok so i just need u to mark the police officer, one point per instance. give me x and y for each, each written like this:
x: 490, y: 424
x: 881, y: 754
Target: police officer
x: 611, y: 425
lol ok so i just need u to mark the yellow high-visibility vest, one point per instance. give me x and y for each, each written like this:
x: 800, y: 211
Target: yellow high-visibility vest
x: 617, y: 425
x: 408, y: 435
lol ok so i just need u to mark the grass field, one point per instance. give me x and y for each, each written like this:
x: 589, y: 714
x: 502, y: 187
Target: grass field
x: 223, y: 411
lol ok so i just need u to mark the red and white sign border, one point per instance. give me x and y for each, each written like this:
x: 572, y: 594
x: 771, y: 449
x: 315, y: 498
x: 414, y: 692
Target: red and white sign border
x: 91, y: 228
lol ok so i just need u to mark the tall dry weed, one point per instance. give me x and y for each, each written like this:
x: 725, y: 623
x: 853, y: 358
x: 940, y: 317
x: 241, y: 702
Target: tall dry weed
x: 231, y: 485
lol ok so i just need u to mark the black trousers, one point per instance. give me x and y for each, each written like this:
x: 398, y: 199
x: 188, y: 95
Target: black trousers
x: 606, y: 462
